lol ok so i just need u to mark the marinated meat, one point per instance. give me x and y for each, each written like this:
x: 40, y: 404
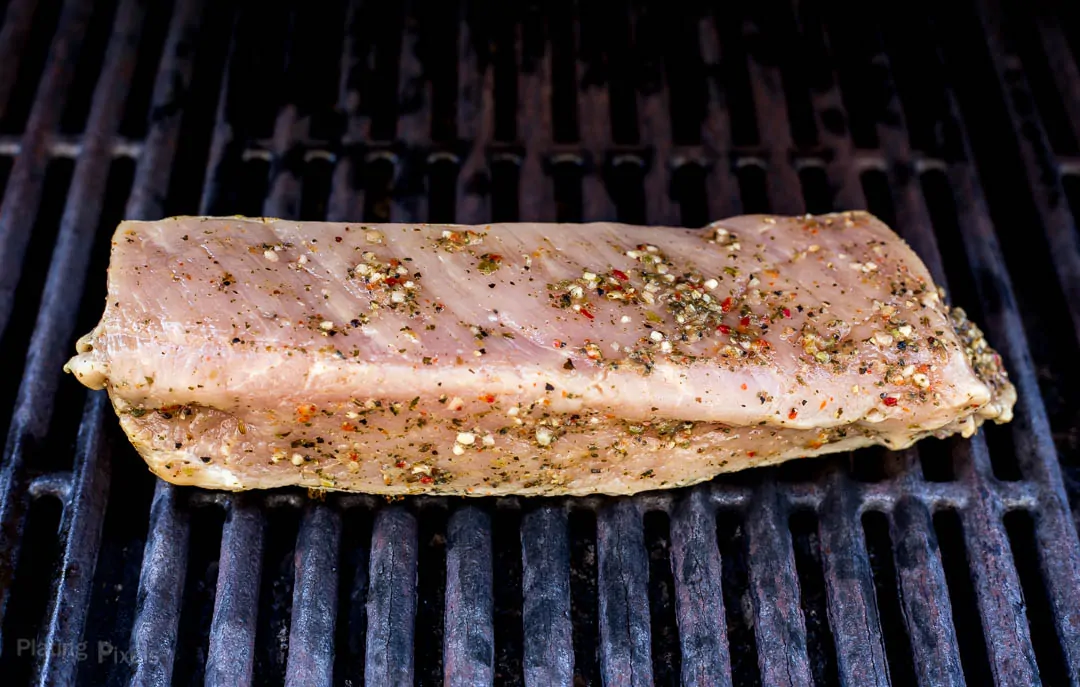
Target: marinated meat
x: 525, y: 358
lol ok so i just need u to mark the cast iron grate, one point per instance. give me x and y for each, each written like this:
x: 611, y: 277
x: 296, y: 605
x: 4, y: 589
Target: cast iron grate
x: 954, y: 563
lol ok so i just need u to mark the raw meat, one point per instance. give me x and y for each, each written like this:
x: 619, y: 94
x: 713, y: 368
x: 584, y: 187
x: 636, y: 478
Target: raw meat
x: 525, y: 358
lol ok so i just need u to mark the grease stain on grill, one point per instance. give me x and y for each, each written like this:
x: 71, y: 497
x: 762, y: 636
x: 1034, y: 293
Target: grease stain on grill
x: 738, y: 606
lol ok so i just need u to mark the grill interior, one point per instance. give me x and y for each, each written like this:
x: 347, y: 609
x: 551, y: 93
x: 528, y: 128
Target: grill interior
x: 954, y: 563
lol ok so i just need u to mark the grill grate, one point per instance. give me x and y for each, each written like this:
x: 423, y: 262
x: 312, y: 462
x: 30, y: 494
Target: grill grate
x: 956, y: 562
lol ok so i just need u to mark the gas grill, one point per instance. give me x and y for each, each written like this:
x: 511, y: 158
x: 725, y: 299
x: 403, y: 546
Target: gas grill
x: 956, y: 562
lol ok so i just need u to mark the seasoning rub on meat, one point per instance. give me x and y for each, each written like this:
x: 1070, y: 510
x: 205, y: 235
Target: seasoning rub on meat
x: 525, y: 358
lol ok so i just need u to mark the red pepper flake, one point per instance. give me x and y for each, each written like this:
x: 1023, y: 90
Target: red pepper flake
x: 354, y: 456
x: 744, y: 322
x: 427, y: 479
x: 588, y: 314
x: 558, y: 344
x: 348, y: 427
x: 743, y: 387
x: 304, y: 412
x: 337, y: 239
x: 488, y: 398
x: 400, y: 464
x: 724, y: 329
x: 793, y: 414
x: 725, y: 305
x: 751, y: 453
x: 620, y: 275
x: 890, y: 401
x: 823, y: 404
x: 787, y: 312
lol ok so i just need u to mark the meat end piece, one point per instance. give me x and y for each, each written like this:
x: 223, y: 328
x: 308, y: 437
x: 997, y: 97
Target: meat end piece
x: 525, y: 358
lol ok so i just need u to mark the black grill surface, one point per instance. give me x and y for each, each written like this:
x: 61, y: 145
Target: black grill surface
x: 953, y: 563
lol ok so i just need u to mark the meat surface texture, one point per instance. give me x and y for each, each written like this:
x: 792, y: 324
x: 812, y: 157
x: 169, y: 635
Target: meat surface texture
x: 525, y: 358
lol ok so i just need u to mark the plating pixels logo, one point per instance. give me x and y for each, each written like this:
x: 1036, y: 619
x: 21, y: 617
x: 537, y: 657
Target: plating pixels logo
x: 102, y: 651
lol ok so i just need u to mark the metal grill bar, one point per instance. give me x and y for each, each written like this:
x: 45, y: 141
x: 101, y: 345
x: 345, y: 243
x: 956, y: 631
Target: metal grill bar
x: 13, y: 37
x: 161, y: 588
x: 469, y: 634
x: 230, y: 659
x: 409, y: 202
x: 346, y: 195
x: 778, y: 626
x: 63, y: 288
x: 1063, y: 68
x: 622, y: 563
x: 767, y: 87
x: 593, y: 123
x: 545, y: 561
x: 475, y: 126
x: 1001, y: 603
x: 626, y: 637
x: 24, y: 188
x: 81, y: 534
x: 311, y: 635
x: 853, y: 612
x: 922, y: 587
x: 1044, y: 179
x: 391, y: 599
x: 1056, y: 535
x: 654, y: 125
x: 695, y: 562
x: 830, y: 117
x: 534, y: 129
x: 721, y: 186
x: 161, y: 579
